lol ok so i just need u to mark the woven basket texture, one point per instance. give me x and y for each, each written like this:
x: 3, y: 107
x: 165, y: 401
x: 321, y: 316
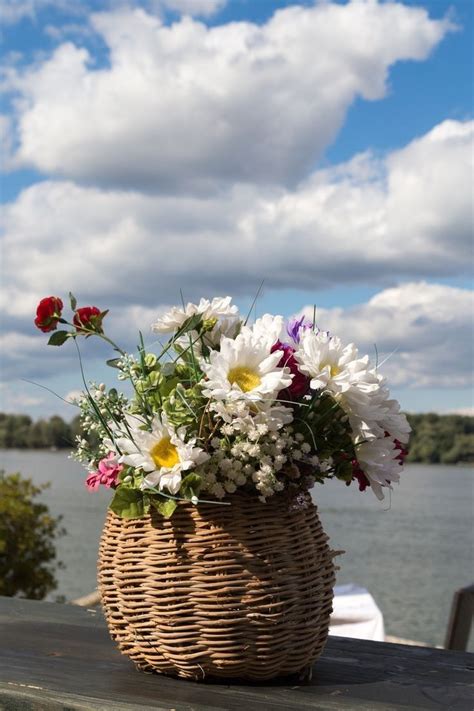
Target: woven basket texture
x: 241, y: 591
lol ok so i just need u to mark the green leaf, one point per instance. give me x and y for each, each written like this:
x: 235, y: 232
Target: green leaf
x: 344, y: 471
x: 113, y: 362
x: 165, y: 507
x: 127, y: 503
x: 191, y: 324
x: 58, y: 338
x: 190, y: 486
x: 168, y: 386
x: 73, y: 301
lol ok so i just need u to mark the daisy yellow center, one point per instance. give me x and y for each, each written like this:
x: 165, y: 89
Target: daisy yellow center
x: 246, y: 378
x: 164, y: 453
x: 333, y: 369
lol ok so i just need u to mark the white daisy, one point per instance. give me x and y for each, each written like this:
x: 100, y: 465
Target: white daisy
x: 173, y: 319
x: 226, y: 315
x: 377, y: 459
x: 267, y: 328
x: 245, y: 369
x: 163, y: 454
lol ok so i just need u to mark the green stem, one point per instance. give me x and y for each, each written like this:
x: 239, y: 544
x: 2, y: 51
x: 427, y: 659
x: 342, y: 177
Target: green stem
x: 180, y: 498
x: 92, y: 401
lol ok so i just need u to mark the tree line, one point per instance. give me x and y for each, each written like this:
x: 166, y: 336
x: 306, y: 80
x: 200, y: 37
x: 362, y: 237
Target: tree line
x: 441, y: 439
x: 445, y: 439
x: 21, y: 432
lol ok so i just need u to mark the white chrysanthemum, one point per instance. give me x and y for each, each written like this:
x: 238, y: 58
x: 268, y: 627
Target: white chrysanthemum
x: 267, y: 328
x: 330, y: 365
x: 163, y: 454
x: 358, y: 388
x: 391, y: 420
x: 220, y: 308
x: 244, y: 369
x: 372, y: 413
x: 377, y: 459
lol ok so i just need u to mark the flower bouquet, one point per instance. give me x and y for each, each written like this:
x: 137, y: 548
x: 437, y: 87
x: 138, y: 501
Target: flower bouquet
x: 213, y: 561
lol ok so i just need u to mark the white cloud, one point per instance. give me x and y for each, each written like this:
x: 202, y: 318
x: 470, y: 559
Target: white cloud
x: 26, y: 355
x: 68, y: 29
x: 425, y: 329
x: 189, y: 162
x: 13, y: 399
x: 6, y: 140
x: 370, y: 220
x: 13, y: 11
x: 73, y: 395
x: 190, y: 107
x: 203, y: 8
x: 465, y: 411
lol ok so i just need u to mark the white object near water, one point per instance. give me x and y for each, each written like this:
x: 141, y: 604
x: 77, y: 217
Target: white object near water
x: 355, y: 614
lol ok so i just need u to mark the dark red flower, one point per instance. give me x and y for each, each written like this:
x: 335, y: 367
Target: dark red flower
x: 300, y: 383
x: 48, y: 313
x: 88, y: 318
x: 358, y: 474
x: 402, y: 450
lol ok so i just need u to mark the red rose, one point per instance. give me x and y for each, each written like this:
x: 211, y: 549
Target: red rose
x: 48, y: 313
x: 88, y: 317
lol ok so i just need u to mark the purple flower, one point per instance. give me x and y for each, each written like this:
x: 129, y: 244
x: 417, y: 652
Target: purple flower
x: 295, y: 326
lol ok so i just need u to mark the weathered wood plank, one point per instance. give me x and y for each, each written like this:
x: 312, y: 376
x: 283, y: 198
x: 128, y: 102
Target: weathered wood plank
x: 60, y: 657
x: 460, y: 621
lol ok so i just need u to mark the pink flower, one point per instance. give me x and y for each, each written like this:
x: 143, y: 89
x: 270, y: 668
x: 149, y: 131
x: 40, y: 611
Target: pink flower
x: 106, y: 474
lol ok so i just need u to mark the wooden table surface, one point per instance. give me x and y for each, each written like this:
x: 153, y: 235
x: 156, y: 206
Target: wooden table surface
x: 60, y: 657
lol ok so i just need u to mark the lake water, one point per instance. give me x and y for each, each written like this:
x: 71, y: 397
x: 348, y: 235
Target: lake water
x: 411, y: 553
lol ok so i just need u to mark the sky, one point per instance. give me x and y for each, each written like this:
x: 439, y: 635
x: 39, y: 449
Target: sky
x: 324, y: 148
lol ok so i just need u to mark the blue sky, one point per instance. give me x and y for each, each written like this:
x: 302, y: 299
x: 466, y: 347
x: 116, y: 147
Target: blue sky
x: 324, y: 149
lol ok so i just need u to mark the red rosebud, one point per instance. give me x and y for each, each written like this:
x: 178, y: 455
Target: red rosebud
x: 48, y: 313
x: 88, y: 317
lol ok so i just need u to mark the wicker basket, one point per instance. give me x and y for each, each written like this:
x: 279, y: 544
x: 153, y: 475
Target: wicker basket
x: 242, y: 591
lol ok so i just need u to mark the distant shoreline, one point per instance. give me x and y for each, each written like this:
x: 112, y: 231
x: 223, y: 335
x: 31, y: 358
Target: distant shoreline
x: 435, y: 439
x: 57, y: 450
